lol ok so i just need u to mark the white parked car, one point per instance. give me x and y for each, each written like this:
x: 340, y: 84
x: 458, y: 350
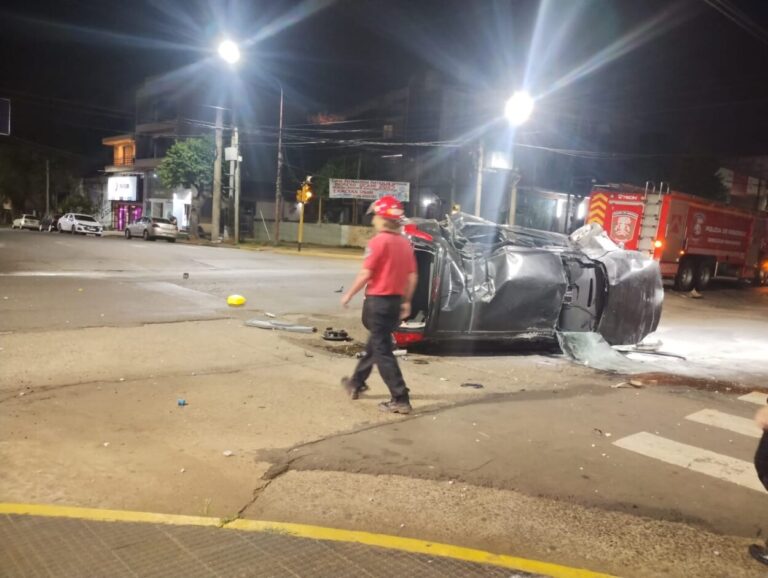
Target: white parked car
x: 26, y: 222
x: 152, y: 228
x: 82, y: 224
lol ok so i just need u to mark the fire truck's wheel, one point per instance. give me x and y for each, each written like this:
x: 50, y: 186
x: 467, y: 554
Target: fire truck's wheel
x: 703, y: 275
x: 686, y: 276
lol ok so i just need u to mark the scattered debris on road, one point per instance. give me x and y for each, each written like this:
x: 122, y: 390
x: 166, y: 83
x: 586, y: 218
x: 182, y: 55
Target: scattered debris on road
x: 473, y: 385
x: 228, y: 453
x: 185, y: 276
x: 236, y: 300
x: 631, y: 384
x: 181, y: 402
x: 280, y: 326
x: 270, y: 315
x: 331, y: 334
x: 340, y: 289
x: 400, y: 352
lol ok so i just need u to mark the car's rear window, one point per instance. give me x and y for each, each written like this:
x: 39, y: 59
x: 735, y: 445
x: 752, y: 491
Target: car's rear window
x: 158, y: 220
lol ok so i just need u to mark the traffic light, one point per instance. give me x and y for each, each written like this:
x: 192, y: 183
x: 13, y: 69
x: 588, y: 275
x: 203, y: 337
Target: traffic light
x: 304, y: 194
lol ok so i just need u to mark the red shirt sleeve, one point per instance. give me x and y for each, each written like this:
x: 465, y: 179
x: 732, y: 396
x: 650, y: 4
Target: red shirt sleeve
x: 373, y: 254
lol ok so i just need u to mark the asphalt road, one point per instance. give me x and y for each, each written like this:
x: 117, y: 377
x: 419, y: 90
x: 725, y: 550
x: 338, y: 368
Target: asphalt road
x: 124, y: 332
x: 51, y: 281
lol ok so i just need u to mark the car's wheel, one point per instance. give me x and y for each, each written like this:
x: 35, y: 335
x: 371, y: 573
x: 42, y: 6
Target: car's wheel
x: 59, y: 228
x: 127, y: 233
x: 686, y: 276
x: 72, y: 230
x: 704, y: 274
x: 145, y: 235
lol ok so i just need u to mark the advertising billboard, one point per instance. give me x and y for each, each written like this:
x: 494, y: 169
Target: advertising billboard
x: 368, y: 190
x: 121, y: 188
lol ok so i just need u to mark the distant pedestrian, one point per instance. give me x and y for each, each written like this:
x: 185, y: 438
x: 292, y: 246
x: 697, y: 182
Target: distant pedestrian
x: 389, y: 277
x: 760, y: 553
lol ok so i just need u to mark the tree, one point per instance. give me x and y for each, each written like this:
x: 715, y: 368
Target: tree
x: 189, y: 163
x: 77, y: 203
x: 338, y: 168
x: 22, y: 174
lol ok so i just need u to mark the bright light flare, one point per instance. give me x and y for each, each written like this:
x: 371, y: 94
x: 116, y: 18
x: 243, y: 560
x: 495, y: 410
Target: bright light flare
x: 519, y: 108
x: 229, y: 52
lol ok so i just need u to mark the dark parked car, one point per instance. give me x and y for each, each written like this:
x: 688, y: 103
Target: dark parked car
x: 49, y: 222
x: 483, y: 281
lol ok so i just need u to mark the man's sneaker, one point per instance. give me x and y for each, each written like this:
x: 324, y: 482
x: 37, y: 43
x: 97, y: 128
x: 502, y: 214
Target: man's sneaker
x: 402, y: 407
x: 353, y: 391
x: 759, y: 553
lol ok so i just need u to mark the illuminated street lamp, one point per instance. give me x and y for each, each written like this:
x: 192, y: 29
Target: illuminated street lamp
x: 519, y: 108
x: 229, y: 52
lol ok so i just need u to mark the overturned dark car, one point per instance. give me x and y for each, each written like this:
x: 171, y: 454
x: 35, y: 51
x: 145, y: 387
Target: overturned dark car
x: 482, y: 281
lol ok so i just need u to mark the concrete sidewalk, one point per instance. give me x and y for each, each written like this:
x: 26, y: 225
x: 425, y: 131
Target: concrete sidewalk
x: 67, y: 542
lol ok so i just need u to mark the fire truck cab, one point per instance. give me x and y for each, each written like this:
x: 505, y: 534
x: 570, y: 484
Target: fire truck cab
x: 695, y: 240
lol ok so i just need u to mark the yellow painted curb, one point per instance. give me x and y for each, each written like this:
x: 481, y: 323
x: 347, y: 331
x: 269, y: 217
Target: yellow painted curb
x: 99, y: 515
x: 413, y: 546
x: 310, y: 532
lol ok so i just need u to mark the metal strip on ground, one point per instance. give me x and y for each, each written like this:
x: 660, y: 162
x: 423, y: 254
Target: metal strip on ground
x: 308, y: 532
x: 722, y: 420
x: 699, y: 460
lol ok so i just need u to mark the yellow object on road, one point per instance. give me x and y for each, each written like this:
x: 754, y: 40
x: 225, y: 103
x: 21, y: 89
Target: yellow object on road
x: 235, y: 300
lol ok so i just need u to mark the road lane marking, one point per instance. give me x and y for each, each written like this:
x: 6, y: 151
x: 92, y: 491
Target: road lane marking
x: 309, y: 532
x: 755, y: 397
x: 739, y: 425
x: 699, y: 460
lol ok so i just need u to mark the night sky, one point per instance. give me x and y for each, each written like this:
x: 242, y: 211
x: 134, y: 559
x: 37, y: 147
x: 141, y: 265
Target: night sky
x: 71, y: 68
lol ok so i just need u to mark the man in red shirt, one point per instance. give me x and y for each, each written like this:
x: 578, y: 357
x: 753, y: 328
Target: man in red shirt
x: 389, y: 276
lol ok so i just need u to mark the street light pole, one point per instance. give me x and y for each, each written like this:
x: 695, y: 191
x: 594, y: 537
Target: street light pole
x: 216, y: 208
x: 479, y: 180
x: 235, y: 181
x: 279, y: 178
x: 518, y: 110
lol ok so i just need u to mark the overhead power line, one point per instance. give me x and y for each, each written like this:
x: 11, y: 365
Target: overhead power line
x: 735, y: 15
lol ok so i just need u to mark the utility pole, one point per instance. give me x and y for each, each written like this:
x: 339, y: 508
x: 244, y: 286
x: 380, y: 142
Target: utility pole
x: 216, y: 208
x: 236, y: 145
x: 479, y: 181
x: 47, y: 186
x: 514, y: 178
x: 279, y: 178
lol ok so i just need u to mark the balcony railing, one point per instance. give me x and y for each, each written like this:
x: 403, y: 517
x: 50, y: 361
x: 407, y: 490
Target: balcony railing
x: 124, y: 161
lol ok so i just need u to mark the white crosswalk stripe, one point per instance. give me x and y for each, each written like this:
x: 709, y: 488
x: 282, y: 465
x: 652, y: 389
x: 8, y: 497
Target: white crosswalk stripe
x: 755, y: 397
x: 701, y: 460
x: 692, y: 458
x: 719, y: 419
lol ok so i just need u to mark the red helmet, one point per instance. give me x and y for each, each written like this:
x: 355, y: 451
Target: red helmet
x: 388, y: 208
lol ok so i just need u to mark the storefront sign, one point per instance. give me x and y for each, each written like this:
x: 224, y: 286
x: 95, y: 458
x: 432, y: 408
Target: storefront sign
x: 121, y: 188
x: 368, y: 190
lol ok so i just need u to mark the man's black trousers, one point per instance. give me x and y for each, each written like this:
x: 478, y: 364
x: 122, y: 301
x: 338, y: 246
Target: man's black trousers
x: 381, y: 316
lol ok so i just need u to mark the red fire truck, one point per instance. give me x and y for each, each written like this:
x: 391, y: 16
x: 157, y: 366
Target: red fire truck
x: 695, y: 240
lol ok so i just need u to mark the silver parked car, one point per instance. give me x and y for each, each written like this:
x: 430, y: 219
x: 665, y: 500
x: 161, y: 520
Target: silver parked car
x: 80, y: 224
x: 151, y: 229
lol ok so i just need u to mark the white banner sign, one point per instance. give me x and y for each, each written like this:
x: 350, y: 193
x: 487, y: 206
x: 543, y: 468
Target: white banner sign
x: 121, y: 188
x: 368, y: 190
